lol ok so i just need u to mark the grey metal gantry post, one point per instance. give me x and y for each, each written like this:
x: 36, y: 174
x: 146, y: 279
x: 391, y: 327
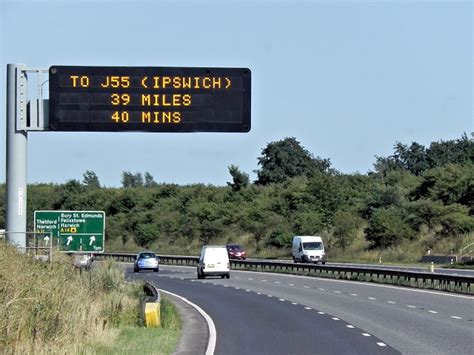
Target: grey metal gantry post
x: 16, y: 162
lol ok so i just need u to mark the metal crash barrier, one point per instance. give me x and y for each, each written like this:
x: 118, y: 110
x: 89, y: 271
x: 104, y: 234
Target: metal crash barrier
x: 427, y: 280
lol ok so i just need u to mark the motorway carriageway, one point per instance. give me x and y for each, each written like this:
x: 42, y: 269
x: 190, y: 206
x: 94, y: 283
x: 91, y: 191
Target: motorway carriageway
x: 262, y: 313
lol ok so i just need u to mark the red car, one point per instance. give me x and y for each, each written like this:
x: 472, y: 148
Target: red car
x: 236, y: 251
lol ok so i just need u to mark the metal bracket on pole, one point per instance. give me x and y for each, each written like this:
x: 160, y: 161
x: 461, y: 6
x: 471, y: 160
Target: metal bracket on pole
x: 33, y: 115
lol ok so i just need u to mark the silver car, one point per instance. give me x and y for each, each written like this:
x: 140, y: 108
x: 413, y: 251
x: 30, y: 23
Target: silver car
x: 146, y: 260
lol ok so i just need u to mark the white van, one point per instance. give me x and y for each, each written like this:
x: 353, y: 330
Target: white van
x: 213, y: 261
x: 308, y: 249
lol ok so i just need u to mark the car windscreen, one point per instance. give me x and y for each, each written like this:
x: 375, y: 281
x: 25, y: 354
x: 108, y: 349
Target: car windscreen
x: 313, y: 246
x: 147, y: 256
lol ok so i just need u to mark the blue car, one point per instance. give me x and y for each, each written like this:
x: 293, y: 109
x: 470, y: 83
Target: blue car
x: 146, y: 260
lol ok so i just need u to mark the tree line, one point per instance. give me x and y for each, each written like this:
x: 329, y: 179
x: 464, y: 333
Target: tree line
x: 418, y: 198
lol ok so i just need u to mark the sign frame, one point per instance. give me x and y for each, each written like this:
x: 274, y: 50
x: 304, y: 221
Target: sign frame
x: 177, y: 99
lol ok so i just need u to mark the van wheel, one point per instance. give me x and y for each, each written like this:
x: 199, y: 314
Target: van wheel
x: 294, y: 259
x: 227, y: 276
x: 222, y: 276
x: 324, y: 263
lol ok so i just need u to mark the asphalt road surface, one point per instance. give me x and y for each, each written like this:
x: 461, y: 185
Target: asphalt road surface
x: 259, y: 313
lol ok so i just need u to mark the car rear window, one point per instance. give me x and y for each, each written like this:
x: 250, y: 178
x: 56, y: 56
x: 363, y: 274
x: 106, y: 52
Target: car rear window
x: 147, y: 256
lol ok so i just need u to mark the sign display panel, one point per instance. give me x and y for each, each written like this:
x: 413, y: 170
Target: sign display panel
x: 73, y: 231
x: 149, y: 99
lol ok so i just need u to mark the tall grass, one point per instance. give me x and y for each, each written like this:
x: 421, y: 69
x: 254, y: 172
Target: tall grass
x: 52, y: 308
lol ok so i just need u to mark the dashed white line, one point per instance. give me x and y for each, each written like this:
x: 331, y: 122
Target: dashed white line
x: 277, y: 282
x: 410, y: 306
x: 308, y: 308
x: 321, y: 313
x: 259, y: 293
x: 247, y: 290
x: 270, y: 296
x: 237, y: 288
x: 372, y: 298
x: 354, y: 294
x: 281, y: 299
x: 306, y: 286
x: 456, y: 317
x: 322, y: 289
x: 294, y: 303
x: 334, y: 318
x: 250, y: 279
x: 391, y: 302
x: 434, y: 312
x: 366, y: 334
x: 291, y: 284
x: 337, y: 291
x: 226, y: 285
x: 381, y: 344
x: 350, y: 326
x: 263, y: 280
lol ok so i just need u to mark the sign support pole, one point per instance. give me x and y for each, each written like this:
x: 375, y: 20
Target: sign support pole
x: 17, y: 150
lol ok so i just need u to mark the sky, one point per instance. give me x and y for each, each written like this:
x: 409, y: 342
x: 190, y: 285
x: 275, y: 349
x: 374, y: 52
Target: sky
x: 347, y: 79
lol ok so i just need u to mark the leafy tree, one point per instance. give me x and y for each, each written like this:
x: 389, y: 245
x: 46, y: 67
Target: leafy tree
x: 459, y: 151
x: 90, y: 179
x: 149, y: 181
x: 286, y: 159
x: 239, y: 179
x: 387, y: 227
x: 145, y: 234
x: 132, y: 180
x: 346, y: 226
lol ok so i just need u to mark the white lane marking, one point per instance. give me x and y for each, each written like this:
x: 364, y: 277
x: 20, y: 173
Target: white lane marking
x: 226, y: 285
x: 456, y: 317
x: 334, y: 318
x: 366, y: 334
x: 434, y: 312
x: 368, y: 284
x: 193, y: 280
x: 391, y: 302
x: 171, y: 277
x: 306, y: 286
x: 381, y: 344
x: 294, y: 303
x: 181, y: 278
x: 211, y: 345
x: 247, y: 290
x: 321, y: 313
x: 372, y: 298
x: 263, y: 280
x: 281, y: 299
x: 277, y: 282
x: 308, y: 308
x: 350, y: 326
x: 269, y: 296
x: 354, y: 294
x: 337, y: 291
x: 259, y: 293
x: 237, y: 288
x: 410, y: 306
x: 250, y: 279
x: 291, y: 284
x: 214, y: 284
x: 322, y: 289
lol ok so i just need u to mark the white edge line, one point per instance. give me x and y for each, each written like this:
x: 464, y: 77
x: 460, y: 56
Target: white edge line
x: 211, y: 345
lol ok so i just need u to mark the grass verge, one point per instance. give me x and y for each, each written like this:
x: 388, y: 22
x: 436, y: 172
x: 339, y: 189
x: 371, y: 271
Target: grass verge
x: 52, y: 308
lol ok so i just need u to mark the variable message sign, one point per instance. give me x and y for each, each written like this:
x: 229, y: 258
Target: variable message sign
x: 73, y: 231
x: 150, y: 99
